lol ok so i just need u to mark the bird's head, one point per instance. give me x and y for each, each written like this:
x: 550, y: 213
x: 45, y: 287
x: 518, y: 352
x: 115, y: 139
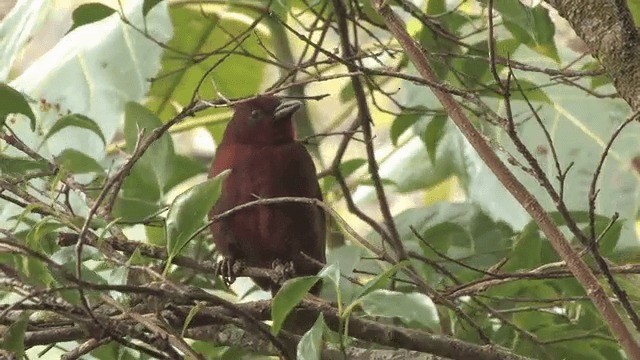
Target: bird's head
x: 264, y: 120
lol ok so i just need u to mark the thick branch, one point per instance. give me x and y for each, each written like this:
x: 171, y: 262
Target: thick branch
x: 606, y: 26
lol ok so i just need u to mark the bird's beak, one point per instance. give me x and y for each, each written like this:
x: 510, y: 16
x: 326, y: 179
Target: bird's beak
x: 286, y: 109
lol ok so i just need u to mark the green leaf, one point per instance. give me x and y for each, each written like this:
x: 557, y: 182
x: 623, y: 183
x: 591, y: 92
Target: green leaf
x: 347, y: 93
x: 13, y: 102
x: 13, y: 339
x: 139, y: 118
x: 189, y: 167
x: 531, y: 26
x: 280, y: 8
x: 401, y: 124
x: 433, y: 134
x: 346, y: 169
x: 430, y: 39
x: 160, y: 159
x: 609, y: 241
x: 67, y: 256
x: 156, y: 234
x: 526, y: 252
x: 206, y: 30
x: 381, y: 280
x: 147, y: 5
x: 89, y: 13
x: 193, y: 312
x: 20, y: 165
x: 77, y: 120
x: 473, y: 68
x: 187, y: 212
x: 634, y: 8
x: 411, y: 308
x: 46, y: 227
x: 370, y: 13
x: 78, y: 162
x: 290, y: 295
x: 34, y: 270
x: 135, y: 209
x: 599, y: 80
x: 447, y: 234
x: 154, y: 173
x: 350, y: 166
x: 532, y: 91
x: 310, y: 346
x: 331, y: 272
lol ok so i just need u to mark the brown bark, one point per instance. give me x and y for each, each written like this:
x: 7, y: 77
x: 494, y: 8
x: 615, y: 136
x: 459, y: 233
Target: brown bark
x: 607, y: 27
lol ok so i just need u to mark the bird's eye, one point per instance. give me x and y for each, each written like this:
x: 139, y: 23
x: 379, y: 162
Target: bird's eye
x: 255, y: 115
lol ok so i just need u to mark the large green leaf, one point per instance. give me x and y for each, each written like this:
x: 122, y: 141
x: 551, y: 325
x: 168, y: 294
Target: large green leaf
x: 410, y: 166
x: 200, y: 34
x: 94, y: 70
x: 531, y: 26
x: 78, y: 162
x: 578, y: 128
x: 76, y: 120
x: 20, y: 165
x: 158, y: 157
x: 290, y: 295
x: 411, y: 308
x: 188, y: 210
x: 13, y: 338
x: 310, y: 345
x: 158, y: 171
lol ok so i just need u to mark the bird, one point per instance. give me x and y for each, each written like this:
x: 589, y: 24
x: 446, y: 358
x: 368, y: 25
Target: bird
x: 266, y: 161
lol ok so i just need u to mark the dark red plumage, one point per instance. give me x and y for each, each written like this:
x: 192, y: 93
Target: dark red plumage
x: 265, y: 161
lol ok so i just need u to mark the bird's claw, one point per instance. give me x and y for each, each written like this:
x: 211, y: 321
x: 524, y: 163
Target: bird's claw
x: 227, y: 268
x: 284, y: 270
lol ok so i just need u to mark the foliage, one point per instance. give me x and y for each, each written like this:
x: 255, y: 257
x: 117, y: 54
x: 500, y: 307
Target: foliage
x: 99, y: 204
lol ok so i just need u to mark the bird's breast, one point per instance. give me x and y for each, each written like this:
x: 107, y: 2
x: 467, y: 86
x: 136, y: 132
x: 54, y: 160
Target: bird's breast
x: 274, y: 230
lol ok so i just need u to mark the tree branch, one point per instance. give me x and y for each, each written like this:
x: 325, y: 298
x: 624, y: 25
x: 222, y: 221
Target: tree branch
x: 577, y: 266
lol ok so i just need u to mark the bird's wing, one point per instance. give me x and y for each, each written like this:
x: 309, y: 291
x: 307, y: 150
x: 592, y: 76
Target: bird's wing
x: 308, y: 186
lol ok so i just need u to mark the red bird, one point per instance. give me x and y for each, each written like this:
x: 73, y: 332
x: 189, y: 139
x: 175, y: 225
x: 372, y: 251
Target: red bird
x: 266, y: 162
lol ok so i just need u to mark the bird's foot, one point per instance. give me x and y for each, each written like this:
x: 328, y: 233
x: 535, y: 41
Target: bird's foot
x: 283, y: 271
x: 227, y: 268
